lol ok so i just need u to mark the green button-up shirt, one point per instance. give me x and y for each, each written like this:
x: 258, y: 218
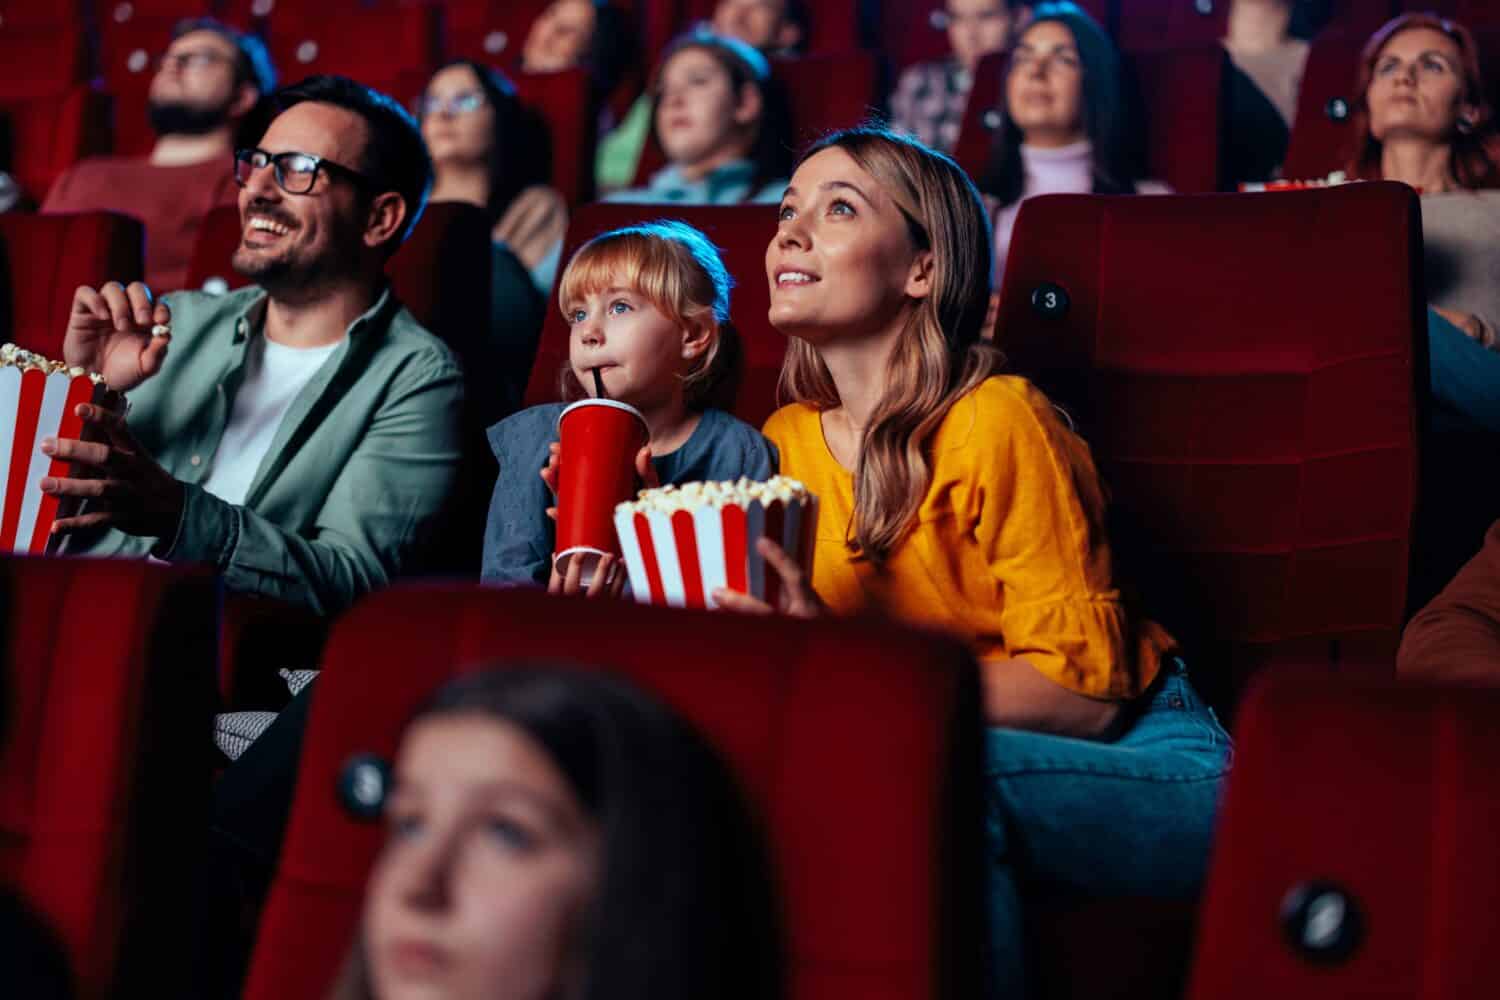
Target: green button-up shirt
x: 355, y: 478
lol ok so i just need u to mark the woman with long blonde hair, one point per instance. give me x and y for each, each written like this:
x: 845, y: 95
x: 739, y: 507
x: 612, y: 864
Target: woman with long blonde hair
x: 955, y: 497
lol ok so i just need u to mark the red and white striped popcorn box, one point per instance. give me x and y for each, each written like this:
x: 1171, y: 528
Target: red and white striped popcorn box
x: 679, y: 557
x: 38, y: 399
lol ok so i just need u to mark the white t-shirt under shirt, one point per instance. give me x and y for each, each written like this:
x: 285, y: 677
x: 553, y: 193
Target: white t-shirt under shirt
x: 274, y: 375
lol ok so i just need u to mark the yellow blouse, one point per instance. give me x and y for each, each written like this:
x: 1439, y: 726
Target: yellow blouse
x: 1009, y: 548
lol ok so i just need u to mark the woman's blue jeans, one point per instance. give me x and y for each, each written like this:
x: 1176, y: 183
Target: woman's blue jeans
x: 1132, y: 816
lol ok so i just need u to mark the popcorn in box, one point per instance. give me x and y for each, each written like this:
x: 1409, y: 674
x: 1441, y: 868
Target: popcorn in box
x: 681, y: 543
x: 38, y: 398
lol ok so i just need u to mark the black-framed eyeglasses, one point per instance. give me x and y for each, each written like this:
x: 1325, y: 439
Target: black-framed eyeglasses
x: 296, y: 173
x: 194, y: 59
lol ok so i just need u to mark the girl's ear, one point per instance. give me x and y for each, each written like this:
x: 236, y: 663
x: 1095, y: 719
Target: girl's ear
x: 698, y: 335
x: 747, y: 110
x: 919, y: 279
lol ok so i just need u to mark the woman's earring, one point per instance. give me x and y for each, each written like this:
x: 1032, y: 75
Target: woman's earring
x: 1465, y: 125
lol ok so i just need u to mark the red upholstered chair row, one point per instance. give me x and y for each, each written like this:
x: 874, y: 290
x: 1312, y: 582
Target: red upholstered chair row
x: 44, y: 258
x: 1355, y: 853
x: 40, y: 137
x: 856, y: 742
x: 741, y: 232
x: 1254, y: 419
x: 374, y: 46
x: 1177, y: 95
x: 107, y: 675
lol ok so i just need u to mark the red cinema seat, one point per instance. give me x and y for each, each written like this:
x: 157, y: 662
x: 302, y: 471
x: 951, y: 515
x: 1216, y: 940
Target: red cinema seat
x: 565, y: 102
x: 124, y: 11
x: 374, y: 46
x: 741, y: 232
x: 44, y: 258
x: 41, y: 62
x: 108, y: 672
x: 40, y: 137
x: 24, y: 15
x: 128, y: 51
x: 1479, y: 15
x: 1257, y: 430
x: 1257, y: 436
x: 825, y: 92
x: 1323, y: 138
x: 1180, y: 102
x: 857, y: 742
x: 490, y: 31
x: 1165, y: 24
x: 1176, y: 93
x: 1354, y: 853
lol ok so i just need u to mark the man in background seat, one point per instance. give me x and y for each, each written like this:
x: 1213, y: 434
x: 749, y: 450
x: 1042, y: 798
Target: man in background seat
x: 207, y: 85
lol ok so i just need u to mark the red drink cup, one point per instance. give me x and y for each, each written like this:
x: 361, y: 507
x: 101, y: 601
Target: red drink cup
x: 599, y: 440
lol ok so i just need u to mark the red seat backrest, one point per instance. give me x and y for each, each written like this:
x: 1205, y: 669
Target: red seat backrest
x: 25, y: 15
x: 108, y: 670
x: 742, y: 233
x: 44, y: 258
x: 565, y: 102
x: 1256, y: 425
x: 1180, y: 104
x: 42, y: 62
x: 490, y: 31
x: 1323, y: 137
x: 853, y: 740
x: 128, y: 51
x: 1163, y: 24
x: 1179, y: 101
x: 1475, y: 14
x: 46, y: 135
x: 826, y: 93
x: 374, y: 46
x: 1367, y: 814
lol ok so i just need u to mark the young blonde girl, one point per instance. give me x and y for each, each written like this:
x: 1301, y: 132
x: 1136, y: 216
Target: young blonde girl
x: 648, y: 307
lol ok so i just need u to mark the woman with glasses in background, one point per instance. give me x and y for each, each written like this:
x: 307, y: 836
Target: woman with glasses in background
x: 488, y: 150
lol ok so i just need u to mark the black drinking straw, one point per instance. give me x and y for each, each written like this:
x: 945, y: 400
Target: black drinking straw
x: 599, y: 385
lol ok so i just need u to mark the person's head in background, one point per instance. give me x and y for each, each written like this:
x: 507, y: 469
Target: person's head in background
x: 977, y: 28
x: 558, y: 835
x: 716, y: 102
x: 772, y: 26
x: 330, y: 191
x: 592, y: 35
x: 1065, y: 86
x: 210, y: 79
x: 1422, y: 116
x: 485, y: 147
x: 648, y: 307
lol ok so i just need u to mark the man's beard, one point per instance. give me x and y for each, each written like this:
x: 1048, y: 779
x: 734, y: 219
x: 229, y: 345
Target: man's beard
x: 180, y: 118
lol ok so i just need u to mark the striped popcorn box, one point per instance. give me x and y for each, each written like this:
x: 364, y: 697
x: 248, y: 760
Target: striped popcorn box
x: 681, y: 543
x: 38, y: 398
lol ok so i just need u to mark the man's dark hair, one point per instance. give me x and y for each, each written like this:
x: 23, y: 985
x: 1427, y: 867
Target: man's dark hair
x: 252, y: 63
x: 395, y: 157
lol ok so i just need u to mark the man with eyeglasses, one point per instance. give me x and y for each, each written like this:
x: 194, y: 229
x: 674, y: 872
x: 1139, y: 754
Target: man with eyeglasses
x: 300, y: 435
x: 207, y: 86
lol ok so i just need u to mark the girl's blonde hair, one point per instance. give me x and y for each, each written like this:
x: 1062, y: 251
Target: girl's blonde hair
x: 938, y: 358
x: 675, y: 268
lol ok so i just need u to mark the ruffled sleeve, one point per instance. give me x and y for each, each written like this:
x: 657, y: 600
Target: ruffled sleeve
x: 1040, y: 526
